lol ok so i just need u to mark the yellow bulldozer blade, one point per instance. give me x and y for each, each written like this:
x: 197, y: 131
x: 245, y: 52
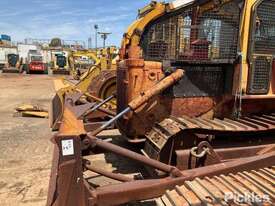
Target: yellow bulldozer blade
x: 61, y: 84
x: 56, y: 110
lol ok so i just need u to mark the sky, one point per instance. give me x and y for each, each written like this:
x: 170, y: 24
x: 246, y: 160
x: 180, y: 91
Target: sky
x: 67, y: 19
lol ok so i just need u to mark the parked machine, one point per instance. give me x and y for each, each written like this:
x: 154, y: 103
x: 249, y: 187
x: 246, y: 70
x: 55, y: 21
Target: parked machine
x: 9, y: 59
x: 9, y: 56
x: 195, y: 86
x: 35, y: 63
x: 60, y: 62
x: 13, y: 64
x: 13, y: 59
x: 81, y: 61
x: 97, y: 83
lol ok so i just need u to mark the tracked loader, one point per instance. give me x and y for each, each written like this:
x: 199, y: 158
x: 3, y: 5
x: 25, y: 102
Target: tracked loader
x: 195, y: 87
x: 13, y: 64
x: 60, y: 62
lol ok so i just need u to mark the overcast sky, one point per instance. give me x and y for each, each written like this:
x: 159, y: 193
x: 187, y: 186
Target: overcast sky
x: 67, y: 19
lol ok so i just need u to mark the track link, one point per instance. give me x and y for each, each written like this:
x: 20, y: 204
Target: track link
x: 243, y: 124
x: 159, y: 135
x: 233, y: 189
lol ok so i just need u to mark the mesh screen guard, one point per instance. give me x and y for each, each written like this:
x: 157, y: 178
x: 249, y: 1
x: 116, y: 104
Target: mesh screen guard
x: 210, y: 35
x: 264, y: 34
x: 204, y: 41
x: 262, y: 47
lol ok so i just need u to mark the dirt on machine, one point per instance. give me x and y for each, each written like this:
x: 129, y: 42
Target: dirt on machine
x: 194, y: 96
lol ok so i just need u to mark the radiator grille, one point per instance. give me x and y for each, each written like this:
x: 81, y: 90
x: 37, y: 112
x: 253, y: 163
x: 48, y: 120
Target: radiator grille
x: 211, y: 35
x: 199, y: 82
x: 260, y: 75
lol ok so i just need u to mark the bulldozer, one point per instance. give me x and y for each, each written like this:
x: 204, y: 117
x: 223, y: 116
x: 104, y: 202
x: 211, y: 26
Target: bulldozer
x: 95, y: 85
x: 81, y: 61
x: 223, y: 47
x: 195, y: 88
x: 105, y: 57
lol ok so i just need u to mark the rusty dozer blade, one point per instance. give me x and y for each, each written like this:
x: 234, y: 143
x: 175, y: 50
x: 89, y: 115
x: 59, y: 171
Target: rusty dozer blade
x: 68, y: 186
x: 82, y: 111
x: 62, y: 87
x: 57, y: 104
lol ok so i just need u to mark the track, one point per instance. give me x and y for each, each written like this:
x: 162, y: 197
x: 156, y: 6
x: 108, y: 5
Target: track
x: 234, y: 189
x: 162, y: 132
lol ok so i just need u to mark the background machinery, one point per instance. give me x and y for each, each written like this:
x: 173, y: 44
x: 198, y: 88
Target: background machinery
x: 10, y: 62
x: 35, y: 63
x: 60, y: 62
x: 81, y: 61
x: 13, y: 64
x: 195, y: 87
x: 95, y: 84
x: 9, y: 59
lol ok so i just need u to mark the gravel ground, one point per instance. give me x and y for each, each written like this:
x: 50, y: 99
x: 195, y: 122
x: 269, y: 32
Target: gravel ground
x: 25, y: 159
x: 26, y: 152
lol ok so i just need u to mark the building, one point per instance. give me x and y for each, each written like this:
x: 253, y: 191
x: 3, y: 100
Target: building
x: 5, y: 39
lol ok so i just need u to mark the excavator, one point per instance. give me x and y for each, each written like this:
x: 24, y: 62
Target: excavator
x: 195, y: 90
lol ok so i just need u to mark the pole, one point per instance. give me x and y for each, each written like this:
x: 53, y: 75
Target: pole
x: 104, y: 40
x: 96, y: 29
x: 104, y: 36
